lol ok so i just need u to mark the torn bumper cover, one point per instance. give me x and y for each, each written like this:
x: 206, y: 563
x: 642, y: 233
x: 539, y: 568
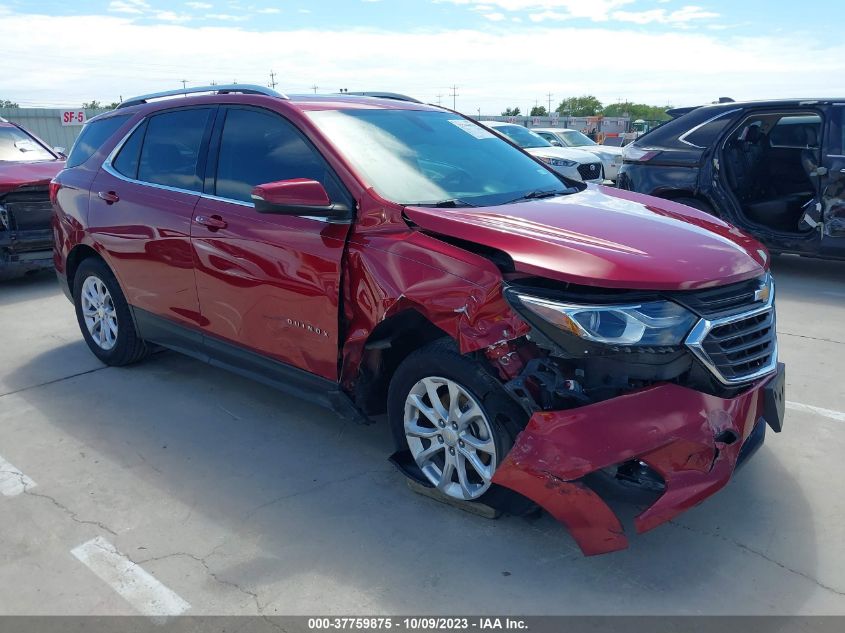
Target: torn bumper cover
x: 693, y: 440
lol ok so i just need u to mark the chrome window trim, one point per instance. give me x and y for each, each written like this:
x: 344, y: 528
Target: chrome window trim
x: 682, y: 138
x: 108, y: 167
x: 695, y: 342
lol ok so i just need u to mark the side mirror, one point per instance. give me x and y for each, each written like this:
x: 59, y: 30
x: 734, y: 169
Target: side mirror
x: 299, y: 196
x: 556, y: 143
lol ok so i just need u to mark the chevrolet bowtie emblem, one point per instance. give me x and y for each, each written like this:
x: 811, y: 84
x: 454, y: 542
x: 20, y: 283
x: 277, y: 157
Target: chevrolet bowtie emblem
x: 762, y: 294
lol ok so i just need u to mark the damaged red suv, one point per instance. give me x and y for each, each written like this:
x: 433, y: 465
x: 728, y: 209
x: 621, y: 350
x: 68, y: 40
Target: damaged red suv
x: 531, y: 339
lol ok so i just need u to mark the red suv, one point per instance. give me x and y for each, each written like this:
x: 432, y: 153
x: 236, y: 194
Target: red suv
x: 27, y: 165
x: 532, y: 339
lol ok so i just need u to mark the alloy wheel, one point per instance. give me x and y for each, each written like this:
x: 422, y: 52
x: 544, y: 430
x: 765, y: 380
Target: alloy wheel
x: 99, y: 312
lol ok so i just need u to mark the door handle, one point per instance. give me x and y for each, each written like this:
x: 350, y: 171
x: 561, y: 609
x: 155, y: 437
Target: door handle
x: 212, y: 222
x: 109, y: 196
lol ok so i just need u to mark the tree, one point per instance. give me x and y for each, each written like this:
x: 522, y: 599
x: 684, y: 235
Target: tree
x: 5, y: 103
x: 113, y: 105
x: 92, y: 105
x: 511, y: 112
x: 637, y: 111
x: 586, y: 105
x: 539, y: 111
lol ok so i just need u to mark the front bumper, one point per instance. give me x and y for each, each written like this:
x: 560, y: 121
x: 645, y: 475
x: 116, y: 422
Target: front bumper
x: 691, y: 439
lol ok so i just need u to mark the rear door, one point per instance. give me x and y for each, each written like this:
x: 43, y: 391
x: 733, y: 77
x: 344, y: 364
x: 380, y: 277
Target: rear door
x: 833, y: 185
x: 268, y: 283
x: 142, y: 201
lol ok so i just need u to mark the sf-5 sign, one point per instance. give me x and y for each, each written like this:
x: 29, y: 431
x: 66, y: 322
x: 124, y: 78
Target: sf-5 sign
x: 73, y: 117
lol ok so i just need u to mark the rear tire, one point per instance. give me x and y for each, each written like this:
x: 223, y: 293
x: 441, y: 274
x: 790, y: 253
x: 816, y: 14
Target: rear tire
x: 459, y: 439
x: 104, y: 316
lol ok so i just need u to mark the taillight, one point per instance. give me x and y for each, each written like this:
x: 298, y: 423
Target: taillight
x: 54, y: 191
x: 635, y: 154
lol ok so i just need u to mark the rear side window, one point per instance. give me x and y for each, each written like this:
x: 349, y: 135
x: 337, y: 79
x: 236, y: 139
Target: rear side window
x: 171, y: 148
x: 128, y: 158
x: 259, y: 147
x: 797, y: 131
x: 708, y: 133
x: 93, y: 135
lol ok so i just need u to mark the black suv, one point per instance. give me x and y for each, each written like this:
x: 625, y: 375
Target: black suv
x: 775, y: 169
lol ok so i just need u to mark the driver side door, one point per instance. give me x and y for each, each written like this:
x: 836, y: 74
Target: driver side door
x: 267, y: 284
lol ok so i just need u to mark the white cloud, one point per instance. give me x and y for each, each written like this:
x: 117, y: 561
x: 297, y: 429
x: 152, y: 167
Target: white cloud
x: 495, y: 17
x: 145, y: 57
x: 596, y: 10
x: 170, y: 16
x: 198, y: 5
x: 661, y: 16
x: 134, y: 7
x: 226, y: 17
x: 269, y: 10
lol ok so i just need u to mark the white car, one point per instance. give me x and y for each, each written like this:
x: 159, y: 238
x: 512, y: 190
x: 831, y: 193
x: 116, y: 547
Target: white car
x: 572, y: 163
x: 611, y: 157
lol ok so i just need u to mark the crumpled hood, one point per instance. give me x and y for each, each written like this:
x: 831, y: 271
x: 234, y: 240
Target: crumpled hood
x: 607, y: 237
x: 20, y: 173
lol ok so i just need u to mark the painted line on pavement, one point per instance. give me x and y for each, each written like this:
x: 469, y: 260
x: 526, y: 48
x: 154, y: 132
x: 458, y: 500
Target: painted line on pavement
x: 137, y: 586
x: 839, y: 416
x: 12, y: 481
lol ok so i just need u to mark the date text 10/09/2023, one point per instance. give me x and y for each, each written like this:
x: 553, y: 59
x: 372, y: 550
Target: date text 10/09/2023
x: 422, y: 623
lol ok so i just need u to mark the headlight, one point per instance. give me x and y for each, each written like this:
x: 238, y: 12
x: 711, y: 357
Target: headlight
x: 654, y: 323
x: 557, y: 162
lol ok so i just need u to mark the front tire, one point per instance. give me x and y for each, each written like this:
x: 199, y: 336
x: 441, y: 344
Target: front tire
x: 457, y: 422
x: 103, y: 315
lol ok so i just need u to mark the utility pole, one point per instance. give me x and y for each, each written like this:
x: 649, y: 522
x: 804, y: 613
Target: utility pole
x: 314, y: 88
x: 454, y: 96
x: 273, y: 80
x: 479, y: 113
x: 439, y: 99
x: 184, y: 84
x: 549, y: 112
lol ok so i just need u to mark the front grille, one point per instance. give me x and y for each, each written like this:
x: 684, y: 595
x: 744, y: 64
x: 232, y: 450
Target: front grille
x: 590, y: 171
x: 27, y: 210
x: 724, y: 300
x: 740, y: 347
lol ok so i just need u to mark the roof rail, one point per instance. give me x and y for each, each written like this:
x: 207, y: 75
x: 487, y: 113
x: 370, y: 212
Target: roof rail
x: 224, y: 89
x: 2, y: 120
x: 383, y: 95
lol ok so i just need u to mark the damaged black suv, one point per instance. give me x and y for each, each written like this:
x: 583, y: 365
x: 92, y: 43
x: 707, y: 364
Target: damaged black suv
x: 775, y: 169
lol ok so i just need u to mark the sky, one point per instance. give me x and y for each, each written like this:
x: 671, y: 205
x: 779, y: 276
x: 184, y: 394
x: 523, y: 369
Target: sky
x: 491, y: 54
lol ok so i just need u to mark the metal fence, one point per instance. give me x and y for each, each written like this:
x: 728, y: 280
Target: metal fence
x: 57, y: 127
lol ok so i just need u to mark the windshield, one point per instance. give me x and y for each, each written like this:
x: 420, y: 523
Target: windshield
x: 416, y: 157
x: 574, y: 138
x: 522, y: 136
x: 16, y: 145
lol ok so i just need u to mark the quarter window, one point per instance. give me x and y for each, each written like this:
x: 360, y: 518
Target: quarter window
x: 259, y: 147
x: 171, y: 148
x: 129, y: 156
x: 93, y: 135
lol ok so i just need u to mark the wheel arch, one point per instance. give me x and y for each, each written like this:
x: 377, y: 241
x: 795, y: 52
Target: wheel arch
x: 390, y: 342
x: 75, y: 257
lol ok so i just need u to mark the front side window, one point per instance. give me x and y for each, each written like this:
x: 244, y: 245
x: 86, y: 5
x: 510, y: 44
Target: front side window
x: 260, y: 147
x: 574, y: 138
x: 171, y: 148
x: 430, y: 157
x: 522, y: 136
x: 92, y: 137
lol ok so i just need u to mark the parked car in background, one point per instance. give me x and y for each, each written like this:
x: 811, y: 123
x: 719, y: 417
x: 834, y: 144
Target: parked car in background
x: 523, y: 332
x: 27, y: 165
x: 611, y: 157
x: 775, y: 169
x: 571, y: 163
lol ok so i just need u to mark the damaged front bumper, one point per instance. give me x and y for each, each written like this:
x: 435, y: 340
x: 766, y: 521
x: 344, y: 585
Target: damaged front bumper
x: 692, y: 440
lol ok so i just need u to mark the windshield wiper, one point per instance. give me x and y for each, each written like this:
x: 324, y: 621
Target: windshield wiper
x: 451, y: 203
x: 541, y: 193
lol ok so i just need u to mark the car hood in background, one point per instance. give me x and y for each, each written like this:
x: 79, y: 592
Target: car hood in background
x: 606, y: 237
x: 566, y: 153
x: 17, y: 174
